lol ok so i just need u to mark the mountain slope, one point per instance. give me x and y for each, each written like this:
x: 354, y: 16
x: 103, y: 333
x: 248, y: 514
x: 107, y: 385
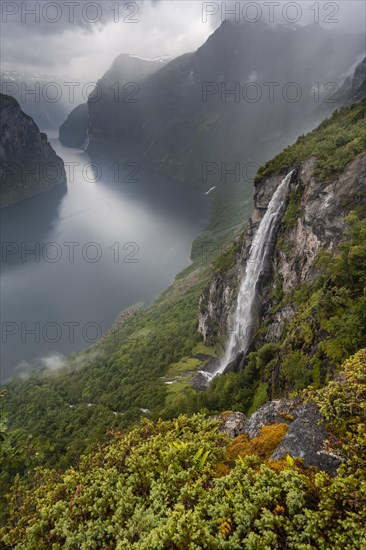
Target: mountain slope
x: 146, y: 365
x: 29, y: 164
x: 311, y: 302
x: 183, y: 118
x: 42, y: 97
x: 119, y: 83
x: 354, y: 87
x: 73, y: 131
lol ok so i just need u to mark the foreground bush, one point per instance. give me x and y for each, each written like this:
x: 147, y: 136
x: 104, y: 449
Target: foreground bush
x: 184, y: 485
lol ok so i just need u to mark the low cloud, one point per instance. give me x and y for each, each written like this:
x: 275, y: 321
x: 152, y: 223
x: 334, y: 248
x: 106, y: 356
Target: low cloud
x: 66, y: 47
x: 53, y: 363
x: 80, y: 39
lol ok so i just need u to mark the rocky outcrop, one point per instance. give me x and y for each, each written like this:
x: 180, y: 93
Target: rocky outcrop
x: 29, y: 165
x: 233, y: 424
x: 306, y: 437
x: 318, y: 224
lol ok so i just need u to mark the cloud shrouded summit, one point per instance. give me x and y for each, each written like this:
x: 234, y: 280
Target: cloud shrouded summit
x: 63, y: 37
x: 65, y: 40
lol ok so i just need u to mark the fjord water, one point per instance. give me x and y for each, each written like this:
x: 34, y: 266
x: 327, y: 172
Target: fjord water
x: 73, y: 260
x: 244, y: 317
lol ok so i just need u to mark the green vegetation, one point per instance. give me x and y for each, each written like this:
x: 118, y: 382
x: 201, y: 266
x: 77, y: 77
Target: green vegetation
x: 7, y: 100
x: 231, y: 207
x: 334, y: 306
x: 183, y: 485
x: 107, y: 388
x: 334, y: 144
x: 292, y: 213
x: 328, y: 326
x: 226, y: 261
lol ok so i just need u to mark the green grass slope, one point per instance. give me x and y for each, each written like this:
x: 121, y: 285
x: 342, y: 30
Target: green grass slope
x: 335, y: 143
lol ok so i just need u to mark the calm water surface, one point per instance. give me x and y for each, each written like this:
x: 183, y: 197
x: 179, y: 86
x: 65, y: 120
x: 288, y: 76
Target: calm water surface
x: 72, y: 261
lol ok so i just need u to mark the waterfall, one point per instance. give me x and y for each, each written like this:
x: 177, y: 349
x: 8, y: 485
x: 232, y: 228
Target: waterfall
x: 87, y: 139
x: 244, y: 317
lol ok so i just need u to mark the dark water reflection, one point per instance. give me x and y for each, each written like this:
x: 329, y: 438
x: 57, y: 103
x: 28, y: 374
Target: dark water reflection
x: 72, y: 261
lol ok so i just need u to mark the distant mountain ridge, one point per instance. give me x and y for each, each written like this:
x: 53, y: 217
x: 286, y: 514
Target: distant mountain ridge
x: 240, y: 98
x: 43, y: 97
x: 119, y: 81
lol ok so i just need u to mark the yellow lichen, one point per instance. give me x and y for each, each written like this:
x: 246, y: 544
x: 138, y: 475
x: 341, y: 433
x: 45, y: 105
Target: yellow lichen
x: 225, y: 415
x: 287, y: 416
x: 263, y: 445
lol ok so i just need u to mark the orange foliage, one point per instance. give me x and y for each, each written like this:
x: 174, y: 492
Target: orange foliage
x: 287, y: 416
x: 282, y: 464
x: 221, y: 470
x: 263, y: 445
x: 277, y: 465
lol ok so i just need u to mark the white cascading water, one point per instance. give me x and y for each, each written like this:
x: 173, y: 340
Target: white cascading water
x: 87, y: 139
x: 244, y: 317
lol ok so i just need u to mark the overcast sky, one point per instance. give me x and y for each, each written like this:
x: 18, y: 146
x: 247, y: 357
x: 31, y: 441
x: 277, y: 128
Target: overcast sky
x: 61, y: 37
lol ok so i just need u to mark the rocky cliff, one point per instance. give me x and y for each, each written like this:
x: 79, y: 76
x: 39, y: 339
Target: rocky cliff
x: 118, y: 85
x: 313, y: 223
x: 29, y: 165
x: 73, y: 131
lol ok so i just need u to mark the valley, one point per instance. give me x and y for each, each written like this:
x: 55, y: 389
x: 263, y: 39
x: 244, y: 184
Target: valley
x: 183, y: 312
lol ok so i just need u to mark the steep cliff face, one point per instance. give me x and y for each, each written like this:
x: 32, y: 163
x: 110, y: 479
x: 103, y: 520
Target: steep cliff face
x: 317, y: 219
x: 201, y: 107
x: 29, y: 165
x: 117, y: 86
x: 354, y: 87
x: 73, y: 131
x: 313, y: 221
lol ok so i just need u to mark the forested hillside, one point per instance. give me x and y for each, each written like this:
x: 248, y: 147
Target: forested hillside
x: 183, y: 484
x: 188, y: 491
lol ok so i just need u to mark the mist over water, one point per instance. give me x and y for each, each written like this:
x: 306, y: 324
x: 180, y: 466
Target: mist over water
x: 72, y: 261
